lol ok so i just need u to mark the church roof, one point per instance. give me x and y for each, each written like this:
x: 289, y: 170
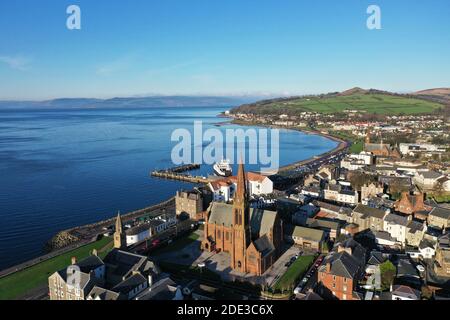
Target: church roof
x: 264, y: 245
x: 261, y: 221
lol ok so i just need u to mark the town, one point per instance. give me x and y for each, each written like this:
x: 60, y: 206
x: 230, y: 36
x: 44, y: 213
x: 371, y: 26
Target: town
x: 369, y: 221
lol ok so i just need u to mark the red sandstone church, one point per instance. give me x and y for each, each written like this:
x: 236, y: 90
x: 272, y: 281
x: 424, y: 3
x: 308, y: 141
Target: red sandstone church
x: 253, y: 237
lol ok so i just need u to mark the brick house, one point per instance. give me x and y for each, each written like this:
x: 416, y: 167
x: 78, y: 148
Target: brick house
x: 341, y: 271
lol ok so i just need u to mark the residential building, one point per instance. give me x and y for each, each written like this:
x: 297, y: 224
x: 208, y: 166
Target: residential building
x: 330, y: 227
x: 371, y: 190
x: 439, y: 217
x: 427, y: 248
x: 189, y: 203
x: 402, y: 292
x: 442, y: 259
x: 77, y: 280
x: 396, y: 225
x: 410, y: 204
x: 341, y: 271
x: 308, y: 238
x: 257, y: 185
x: 428, y: 179
x: 415, y: 232
x: 368, y: 218
x: 103, y: 279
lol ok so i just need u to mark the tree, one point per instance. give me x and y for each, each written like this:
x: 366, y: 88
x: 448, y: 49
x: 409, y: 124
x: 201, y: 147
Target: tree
x: 388, y: 272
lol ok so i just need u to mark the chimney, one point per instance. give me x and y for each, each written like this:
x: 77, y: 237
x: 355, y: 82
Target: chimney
x: 74, y: 260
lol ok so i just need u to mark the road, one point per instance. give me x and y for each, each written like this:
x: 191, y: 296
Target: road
x: 312, y: 282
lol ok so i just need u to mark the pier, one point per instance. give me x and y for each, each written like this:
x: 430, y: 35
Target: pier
x: 180, y: 177
x: 178, y: 174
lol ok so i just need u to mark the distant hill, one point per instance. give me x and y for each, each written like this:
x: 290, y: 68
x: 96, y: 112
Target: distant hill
x: 371, y: 101
x: 441, y: 95
x: 144, y: 102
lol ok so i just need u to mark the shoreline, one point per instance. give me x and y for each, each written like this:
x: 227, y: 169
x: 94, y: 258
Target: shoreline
x: 342, y: 144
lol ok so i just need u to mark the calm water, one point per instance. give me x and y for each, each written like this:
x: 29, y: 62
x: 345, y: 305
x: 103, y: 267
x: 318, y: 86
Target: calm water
x: 59, y: 169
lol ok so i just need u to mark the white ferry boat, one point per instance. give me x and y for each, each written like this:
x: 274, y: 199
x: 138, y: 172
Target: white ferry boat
x: 223, y: 169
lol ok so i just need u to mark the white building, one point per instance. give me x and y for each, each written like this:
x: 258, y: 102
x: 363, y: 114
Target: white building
x: 257, y: 185
x: 428, y: 179
x: 396, y: 226
x: 412, y: 148
x: 149, y: 229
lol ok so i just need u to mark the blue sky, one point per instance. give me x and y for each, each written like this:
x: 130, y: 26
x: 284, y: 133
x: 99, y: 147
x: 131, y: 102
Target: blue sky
x: 144, y: 47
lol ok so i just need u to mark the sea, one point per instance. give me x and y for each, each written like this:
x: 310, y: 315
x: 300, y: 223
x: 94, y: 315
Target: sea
x: 64, y: 168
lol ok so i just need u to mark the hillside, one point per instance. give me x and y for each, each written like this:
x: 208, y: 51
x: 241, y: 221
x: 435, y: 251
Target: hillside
x: 369, y: 101
x: 441, y: 95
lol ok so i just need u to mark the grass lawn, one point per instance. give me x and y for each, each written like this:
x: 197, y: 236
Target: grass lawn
x: 17, y: 284
x: 294, y: 273
x: 178, y: 244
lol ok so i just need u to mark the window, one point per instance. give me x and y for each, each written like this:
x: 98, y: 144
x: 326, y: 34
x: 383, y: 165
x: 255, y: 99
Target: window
x: 345, y: 280
x: 344, y: 288
x: 344, y: 297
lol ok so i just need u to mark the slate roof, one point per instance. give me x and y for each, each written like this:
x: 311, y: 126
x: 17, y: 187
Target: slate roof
x: 85, y: 278
x: 431, y: 174
x: 264, y: 245
x: 345, y: 264
x: 376, y: 258
x: 103, y: 294
x: 261, y: 221
x: 130, y: 284
x: 440, y: 213
x: 427, y: 243
x: 369, y: 212
x: 397, y: 219
x: 321, y: 223
x: 308, y: 234
x: 121, y: 264
x: 415, y: 226
x: 90, y: 263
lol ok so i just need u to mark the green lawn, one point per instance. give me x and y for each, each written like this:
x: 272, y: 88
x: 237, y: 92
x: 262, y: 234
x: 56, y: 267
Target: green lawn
x: 17, y: 284
x: 178, y: 244
x: 374, y: 103
x: 294, y: 274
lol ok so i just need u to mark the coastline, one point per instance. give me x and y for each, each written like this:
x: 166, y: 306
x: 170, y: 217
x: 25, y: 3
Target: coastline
x: 79, y: 241
x: 342, y: 144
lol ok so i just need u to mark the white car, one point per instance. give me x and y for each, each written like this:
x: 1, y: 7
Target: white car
x: 420, y: 268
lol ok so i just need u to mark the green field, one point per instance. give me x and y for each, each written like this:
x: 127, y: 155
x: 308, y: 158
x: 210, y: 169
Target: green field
x: 17, y: 284
x: 371, y: 103
x: 293, y: 274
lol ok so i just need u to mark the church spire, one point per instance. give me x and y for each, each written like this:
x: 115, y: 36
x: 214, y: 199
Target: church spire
x: 241, y: 190
x: 119, y: 235
x: 119, y: 225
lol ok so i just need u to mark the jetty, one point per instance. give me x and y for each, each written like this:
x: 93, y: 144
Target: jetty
x: 178, y: 174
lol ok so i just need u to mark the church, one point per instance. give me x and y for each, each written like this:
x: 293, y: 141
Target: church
x: 380, y: 149
x: 253, y: 237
